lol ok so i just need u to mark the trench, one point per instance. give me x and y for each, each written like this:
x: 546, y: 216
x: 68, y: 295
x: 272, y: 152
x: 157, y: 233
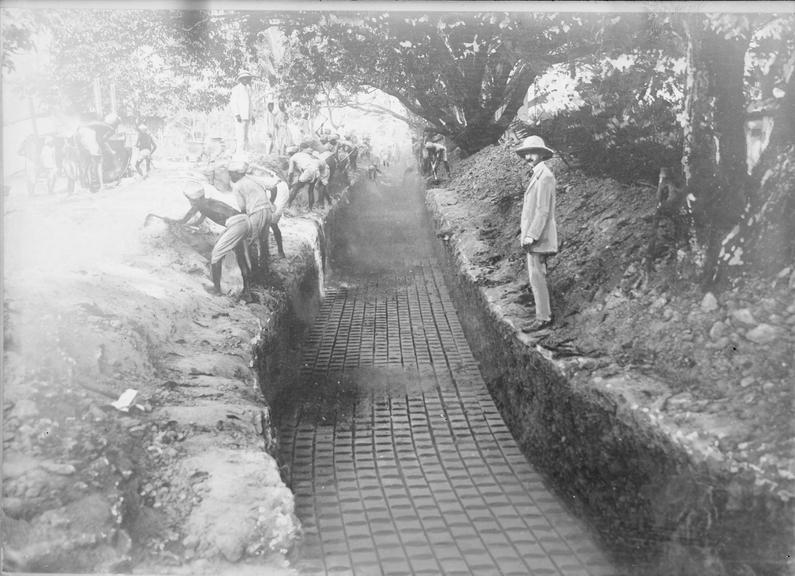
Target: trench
x: 419, y: 434
x: 398, y: 456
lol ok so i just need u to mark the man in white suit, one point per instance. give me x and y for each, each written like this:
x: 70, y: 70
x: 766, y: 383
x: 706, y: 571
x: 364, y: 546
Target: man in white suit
x: 242, y: 109
x: 539, y: 234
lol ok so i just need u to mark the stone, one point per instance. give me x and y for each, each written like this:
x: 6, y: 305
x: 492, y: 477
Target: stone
x: 763, y: 334
x: 747, y: 381
x: 743, y: 316
x: 718, y: 330
x: 55, y: 468
x: 709, y: 303
x: 658, y: 303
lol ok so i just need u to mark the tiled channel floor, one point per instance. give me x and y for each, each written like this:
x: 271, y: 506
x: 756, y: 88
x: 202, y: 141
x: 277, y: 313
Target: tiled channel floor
x: 398, y: 457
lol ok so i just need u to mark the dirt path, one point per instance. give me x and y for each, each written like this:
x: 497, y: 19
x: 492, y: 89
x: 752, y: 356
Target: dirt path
x: 96, y: 304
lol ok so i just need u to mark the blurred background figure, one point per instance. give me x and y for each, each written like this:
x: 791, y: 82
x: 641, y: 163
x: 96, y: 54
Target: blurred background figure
x: 29, y: 150
x: 146, y: 146
x: 242, y: 109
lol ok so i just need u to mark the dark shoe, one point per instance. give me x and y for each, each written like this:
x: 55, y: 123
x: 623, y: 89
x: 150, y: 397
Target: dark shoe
x: 537, y: 325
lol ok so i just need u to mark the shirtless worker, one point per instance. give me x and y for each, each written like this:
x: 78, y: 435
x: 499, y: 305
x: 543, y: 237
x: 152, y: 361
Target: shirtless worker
x: 231, y: 239
x: 302, y: 174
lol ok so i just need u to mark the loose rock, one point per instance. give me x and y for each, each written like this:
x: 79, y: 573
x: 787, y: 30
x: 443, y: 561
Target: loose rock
x: 709, y: 303
x: 763, y: 334
x: 718, y: 330
x: 743, y: 316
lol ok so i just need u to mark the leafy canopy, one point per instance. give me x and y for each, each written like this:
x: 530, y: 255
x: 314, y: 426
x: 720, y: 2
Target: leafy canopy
x: 460, y: 72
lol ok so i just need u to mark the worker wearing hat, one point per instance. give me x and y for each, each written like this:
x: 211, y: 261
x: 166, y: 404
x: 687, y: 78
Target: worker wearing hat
x: 240, y: 103
x: 538, y: 233
x: 253, y: 200
x: 303, y: 174
x: 92, y: 145
x: 232, y: 239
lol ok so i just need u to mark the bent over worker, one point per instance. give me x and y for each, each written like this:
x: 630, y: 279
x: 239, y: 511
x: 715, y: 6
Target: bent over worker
x: 232, y: 239
x: 539, y: 234
x: 302, y: 174
x: 253, y: 200
x: 279, y: 192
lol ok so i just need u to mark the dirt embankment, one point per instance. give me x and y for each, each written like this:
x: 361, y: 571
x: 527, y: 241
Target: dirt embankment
x: 712, y: 372
x: 95, y: 304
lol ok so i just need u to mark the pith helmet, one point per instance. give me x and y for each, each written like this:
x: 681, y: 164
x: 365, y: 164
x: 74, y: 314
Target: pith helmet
x: 532, y: 143
x: 244, y: 74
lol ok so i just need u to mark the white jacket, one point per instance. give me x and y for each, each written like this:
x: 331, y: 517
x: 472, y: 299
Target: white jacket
x: 538, y: 212
x: 240, y: 102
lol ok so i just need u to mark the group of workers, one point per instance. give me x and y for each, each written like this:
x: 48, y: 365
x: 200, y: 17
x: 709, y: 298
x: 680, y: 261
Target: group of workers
x: 89, y: 156
x: 282, y: 129
x: 262, y: 191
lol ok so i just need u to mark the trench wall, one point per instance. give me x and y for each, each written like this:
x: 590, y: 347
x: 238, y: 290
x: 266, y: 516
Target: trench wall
x: 276, y: 353
x: 657, y: 507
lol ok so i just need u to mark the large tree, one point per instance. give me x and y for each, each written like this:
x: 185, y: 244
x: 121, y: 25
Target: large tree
x: 465, y: 74
x: 731, y: 207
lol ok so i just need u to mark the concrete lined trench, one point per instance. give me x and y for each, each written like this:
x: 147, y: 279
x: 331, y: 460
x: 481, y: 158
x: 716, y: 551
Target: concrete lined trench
x: 394, y: 420
x: 397, y: 455
x: 406, y: 410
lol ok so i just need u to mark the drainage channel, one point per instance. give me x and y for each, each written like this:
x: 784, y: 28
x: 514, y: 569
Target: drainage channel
x: 398, y: 457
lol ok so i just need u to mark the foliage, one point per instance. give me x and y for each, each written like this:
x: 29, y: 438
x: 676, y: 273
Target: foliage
x: 160, y: 61
x: 627, y: 125
x: 17, y: 31
x: 465, y: 74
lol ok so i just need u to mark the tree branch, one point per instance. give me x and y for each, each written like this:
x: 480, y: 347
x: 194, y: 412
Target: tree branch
x: 374, y: 109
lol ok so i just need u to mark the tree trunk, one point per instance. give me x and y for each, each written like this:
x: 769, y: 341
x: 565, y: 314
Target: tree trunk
x: 764, y: 239
x: 714, y: 153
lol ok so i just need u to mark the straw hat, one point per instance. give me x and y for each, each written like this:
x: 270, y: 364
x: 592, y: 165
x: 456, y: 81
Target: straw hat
x: 532, y: 143
x: 244, y: 74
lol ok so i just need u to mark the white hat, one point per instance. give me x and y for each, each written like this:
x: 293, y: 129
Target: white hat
x: 533, y: 143
x: 244, y: 74
x: 238, y: 165
x: 193, y: 190
x: 111, y: 119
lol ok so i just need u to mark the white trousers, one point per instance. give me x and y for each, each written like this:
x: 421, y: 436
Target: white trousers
x: 537, y: 269
x: 241, y: 136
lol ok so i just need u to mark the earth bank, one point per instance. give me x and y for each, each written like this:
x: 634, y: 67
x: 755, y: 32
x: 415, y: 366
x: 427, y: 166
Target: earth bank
x: 662, y: 412
x: 183, y: 481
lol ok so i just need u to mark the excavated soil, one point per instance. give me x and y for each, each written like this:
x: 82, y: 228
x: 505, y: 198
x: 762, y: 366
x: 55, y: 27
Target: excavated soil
x: 96, y: 303
x: 710, y: 373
